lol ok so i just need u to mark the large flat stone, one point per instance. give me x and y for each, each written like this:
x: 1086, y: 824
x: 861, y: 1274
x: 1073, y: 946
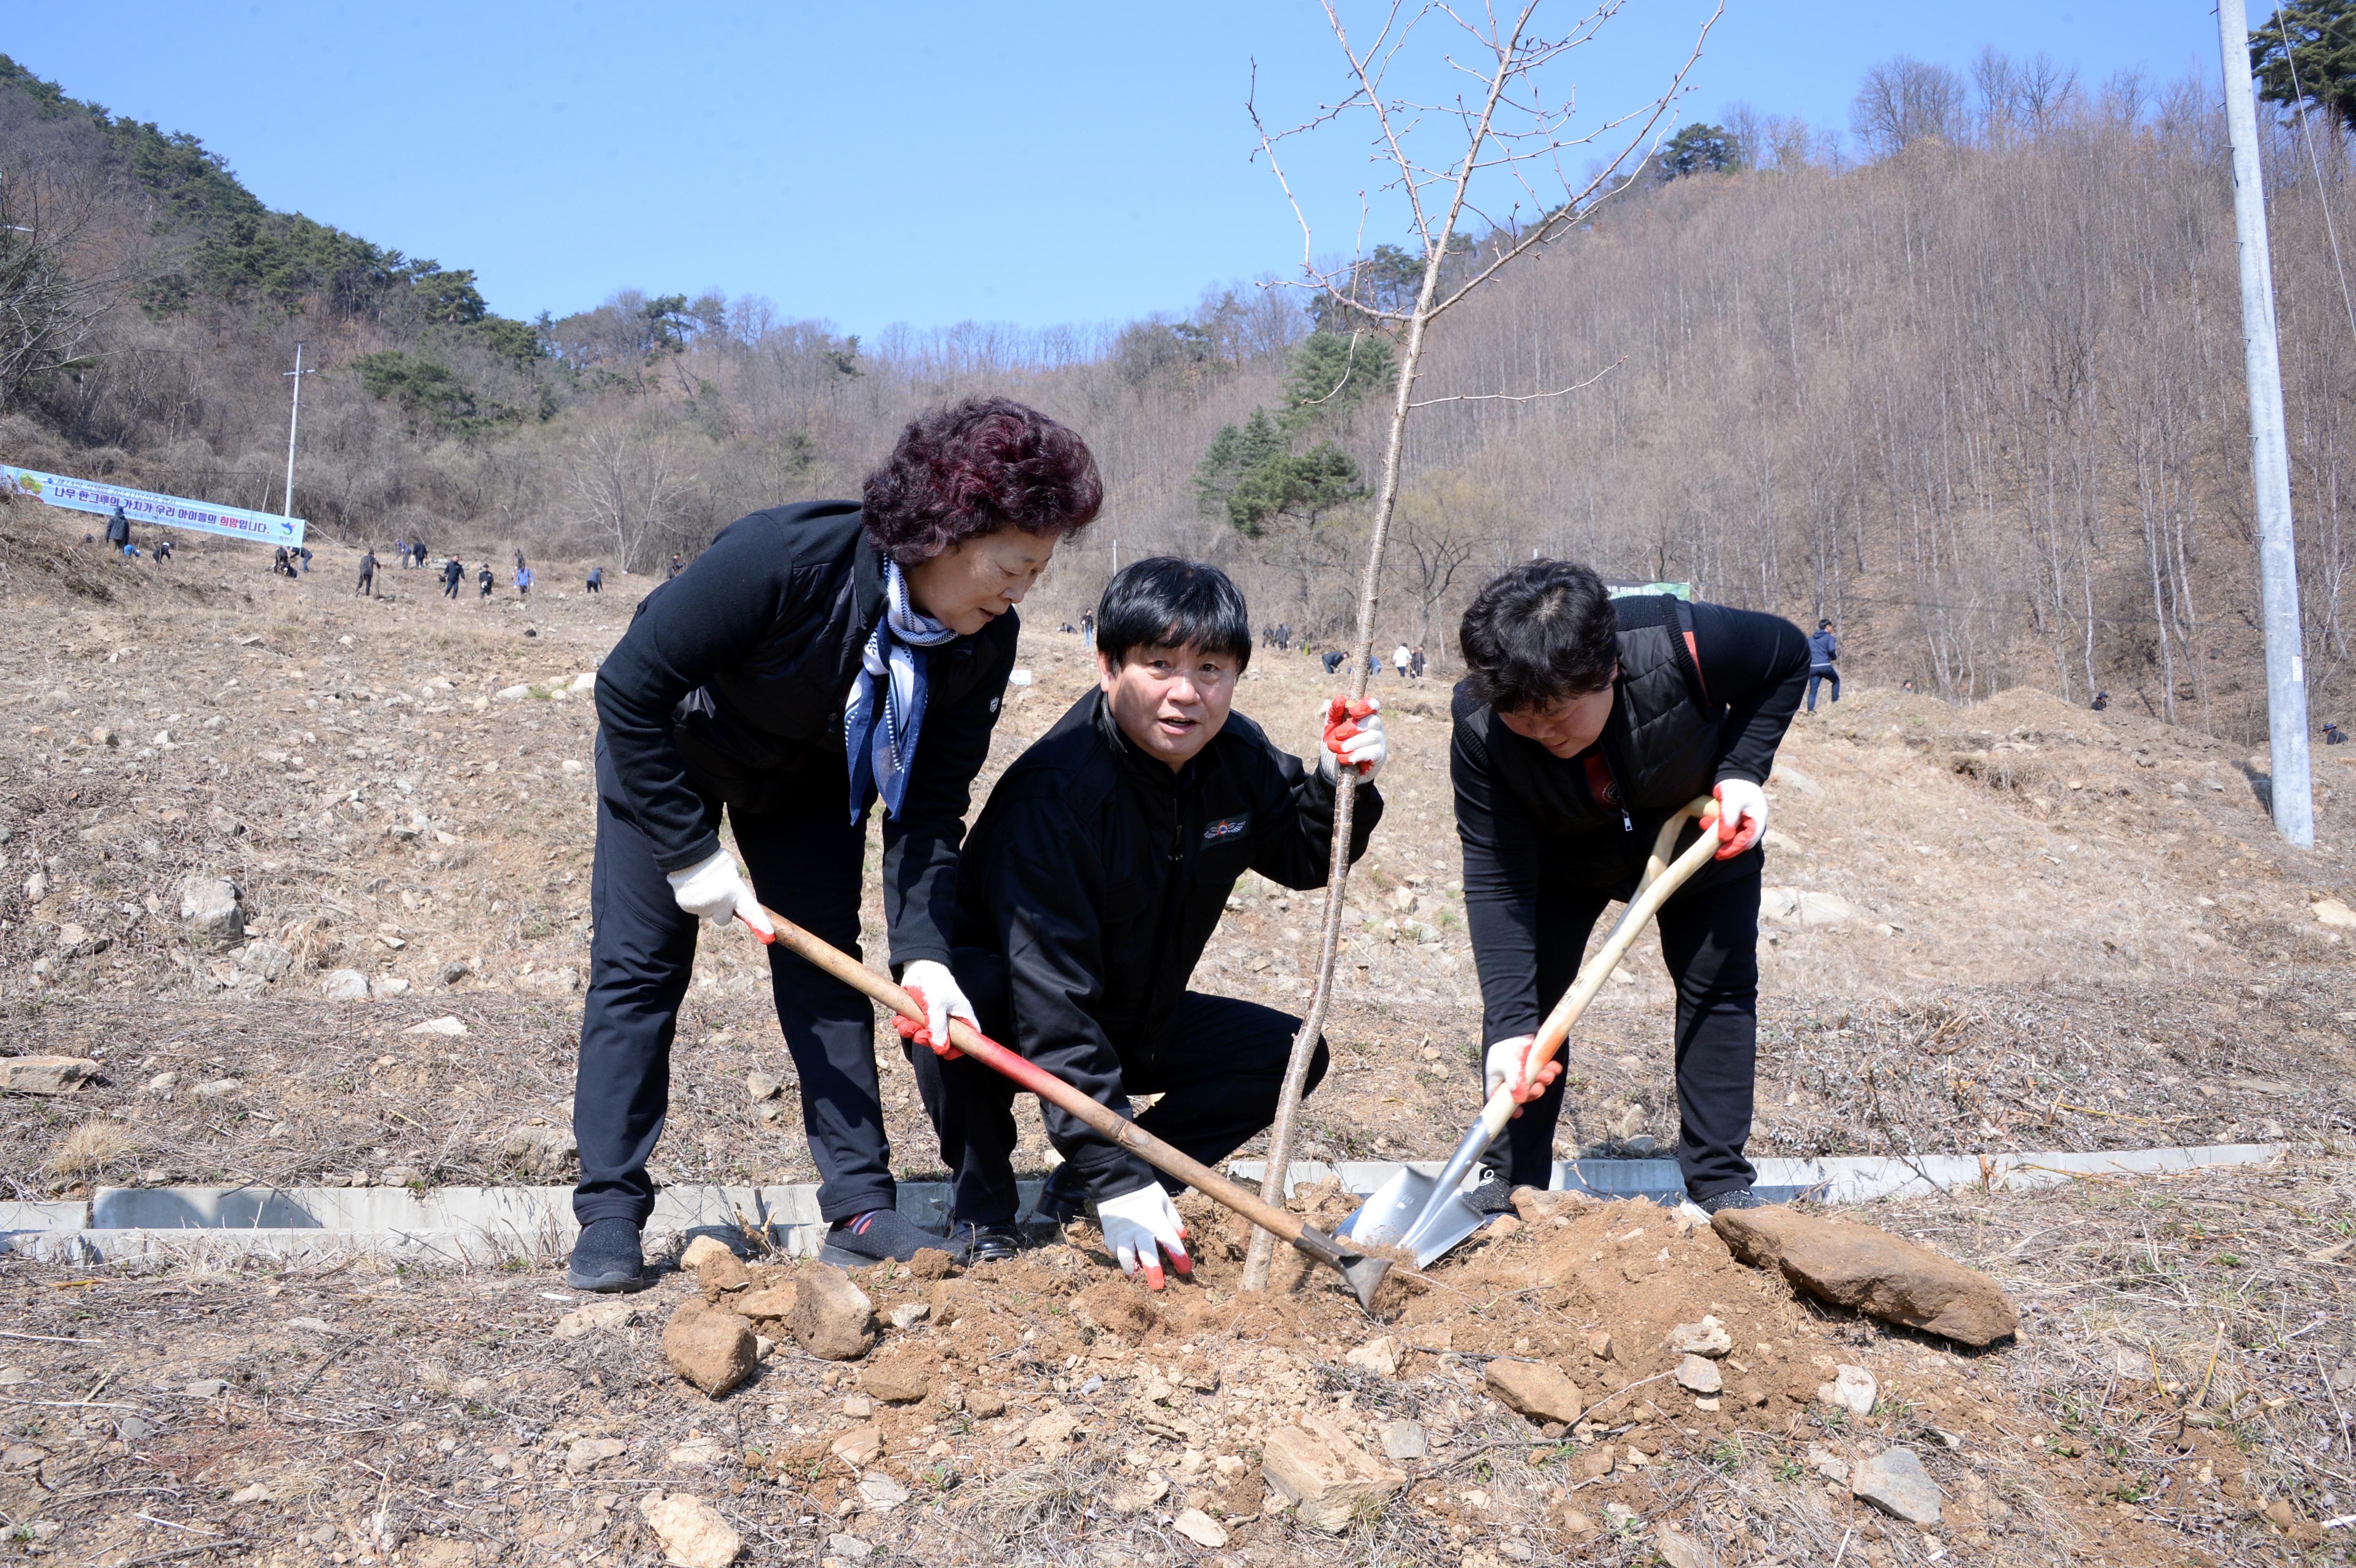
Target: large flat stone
x: 1328, y: 1479
x: 1895, y: 1482
x: 1871, y: 1272
x: 1535, y: 1390
x: 44, y: 1075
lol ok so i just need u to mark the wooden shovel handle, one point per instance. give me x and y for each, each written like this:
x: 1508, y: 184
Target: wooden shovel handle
x: 1042, y: 1083
x: 1661, y: 878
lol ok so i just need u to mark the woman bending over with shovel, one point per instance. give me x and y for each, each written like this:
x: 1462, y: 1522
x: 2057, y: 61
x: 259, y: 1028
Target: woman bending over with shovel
x: 1585, y: 724
x: 817, y: 658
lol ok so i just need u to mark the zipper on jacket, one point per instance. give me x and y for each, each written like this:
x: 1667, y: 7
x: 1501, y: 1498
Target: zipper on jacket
x: 1627, y: 823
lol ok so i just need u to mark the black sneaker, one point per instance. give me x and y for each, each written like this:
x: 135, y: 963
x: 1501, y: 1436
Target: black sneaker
x: 1732, y: 1198
x: 605, y: 1257
x: 881, y: 1235
x: 987, y: 1243
x: 1495, y: 1195
x: 1064, y: 1196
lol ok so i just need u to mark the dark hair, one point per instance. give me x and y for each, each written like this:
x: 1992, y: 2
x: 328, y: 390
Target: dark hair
x: 1538, y: 633
x: 1822, y: 624
x: 1163, y: 602
x: 975, y: 467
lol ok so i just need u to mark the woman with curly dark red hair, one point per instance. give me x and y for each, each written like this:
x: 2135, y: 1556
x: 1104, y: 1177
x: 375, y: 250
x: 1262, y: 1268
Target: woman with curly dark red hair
x: 816, y: 659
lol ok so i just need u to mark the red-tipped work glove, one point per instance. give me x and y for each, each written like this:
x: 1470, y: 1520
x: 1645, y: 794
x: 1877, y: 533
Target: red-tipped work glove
x: 1139, y: 1227
x: 1354, y: 733
x: 1742, y: 815
x: 1507, y: 1066
x: 932, y: 988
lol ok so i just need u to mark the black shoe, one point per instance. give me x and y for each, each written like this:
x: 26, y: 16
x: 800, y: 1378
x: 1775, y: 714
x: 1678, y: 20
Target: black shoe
x: 1495, y: 1195
x: 605, y: 1257
x: 882, y: 1235
x: 1732, y: 1198
x: 1064, y: 1196
x: 987, y: 1243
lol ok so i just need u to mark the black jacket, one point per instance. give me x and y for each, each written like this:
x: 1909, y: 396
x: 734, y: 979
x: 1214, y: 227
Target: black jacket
x: 1685, y: 715
x: 1101, y: 873
x: 729, y: 687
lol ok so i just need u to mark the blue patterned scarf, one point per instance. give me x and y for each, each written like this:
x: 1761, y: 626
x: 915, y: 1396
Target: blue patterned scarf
x: 887, y: 707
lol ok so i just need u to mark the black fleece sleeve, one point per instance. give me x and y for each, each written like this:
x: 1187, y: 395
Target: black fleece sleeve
x: 1501, y: 890
x: 1046, y: 887
x: 1756, y: 664
x: 685, y: 632
x: 920, y: 847
x: 1296, y: 844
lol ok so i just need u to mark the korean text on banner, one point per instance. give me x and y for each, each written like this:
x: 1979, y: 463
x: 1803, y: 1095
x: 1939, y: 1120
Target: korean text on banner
x: 146, y: 507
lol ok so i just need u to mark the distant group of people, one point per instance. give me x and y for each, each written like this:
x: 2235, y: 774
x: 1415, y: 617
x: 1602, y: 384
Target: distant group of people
x: 290, y: 562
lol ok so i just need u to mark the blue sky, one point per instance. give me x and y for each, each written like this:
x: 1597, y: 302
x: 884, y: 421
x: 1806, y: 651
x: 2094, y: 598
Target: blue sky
x: 925, y: 164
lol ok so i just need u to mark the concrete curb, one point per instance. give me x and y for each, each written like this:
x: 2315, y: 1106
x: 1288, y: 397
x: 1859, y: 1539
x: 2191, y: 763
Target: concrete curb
x: 494, y: 1224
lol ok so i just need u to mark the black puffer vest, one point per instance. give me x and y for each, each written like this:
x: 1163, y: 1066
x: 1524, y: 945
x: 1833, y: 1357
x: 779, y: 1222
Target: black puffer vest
x: 1659, y: 750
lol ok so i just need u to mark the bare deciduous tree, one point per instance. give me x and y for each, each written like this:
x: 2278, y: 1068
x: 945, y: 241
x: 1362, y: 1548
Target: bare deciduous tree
x: 50, y: 298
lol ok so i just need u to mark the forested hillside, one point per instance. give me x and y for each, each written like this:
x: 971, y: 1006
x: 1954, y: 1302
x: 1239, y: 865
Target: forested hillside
x: 1973, y: 389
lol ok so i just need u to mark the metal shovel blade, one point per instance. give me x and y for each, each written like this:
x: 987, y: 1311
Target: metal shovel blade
x: 1402, y: 1213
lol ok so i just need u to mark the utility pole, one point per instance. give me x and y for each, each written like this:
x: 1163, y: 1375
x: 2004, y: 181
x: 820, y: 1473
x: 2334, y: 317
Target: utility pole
x: 2294, y: 800
x: 293, y: 420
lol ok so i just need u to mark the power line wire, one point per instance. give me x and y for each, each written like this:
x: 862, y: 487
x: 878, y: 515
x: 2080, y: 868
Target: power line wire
x: 2322, y: 196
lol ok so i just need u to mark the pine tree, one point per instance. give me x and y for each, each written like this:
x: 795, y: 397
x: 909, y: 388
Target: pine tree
x: 2318, y: 62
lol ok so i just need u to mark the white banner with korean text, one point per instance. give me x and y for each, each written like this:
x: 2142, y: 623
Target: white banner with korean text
x: 146, y: 507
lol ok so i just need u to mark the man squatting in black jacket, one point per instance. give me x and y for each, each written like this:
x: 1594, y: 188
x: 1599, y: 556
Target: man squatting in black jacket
x: 1586, y: 722
x: 817, y: 658
x: 1094, y: 877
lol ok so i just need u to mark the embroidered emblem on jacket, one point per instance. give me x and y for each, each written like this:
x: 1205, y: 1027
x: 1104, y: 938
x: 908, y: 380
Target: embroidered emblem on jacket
x: 1226, y: 828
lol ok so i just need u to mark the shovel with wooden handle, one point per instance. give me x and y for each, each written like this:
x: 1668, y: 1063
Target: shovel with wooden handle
x: 1362, y: 1272
x: 1423, y: 1216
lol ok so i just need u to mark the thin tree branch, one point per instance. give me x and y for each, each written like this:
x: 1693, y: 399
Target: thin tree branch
x: 1521, y: 397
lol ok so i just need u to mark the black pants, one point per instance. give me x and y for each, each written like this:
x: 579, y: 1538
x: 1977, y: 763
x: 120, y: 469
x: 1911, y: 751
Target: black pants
x: 449, y: 587
x: 1816, y: 677
x: 809, y: 869
x: 1219, y: 1073
x: 1710, y: 937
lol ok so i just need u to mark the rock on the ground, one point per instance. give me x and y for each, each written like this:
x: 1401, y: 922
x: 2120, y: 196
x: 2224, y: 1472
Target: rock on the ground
x: 858, y: 1445
x: 346, y: 986
x: 1699, y: 1374
x: 710, y: 1348
x: 1326, y: 1477
x: 1199, y: 1527
x: 212, y: 911
x: 1536, y: 1205
x: 1706, y: 1338
x: 541, y: 1151
x: 266, y: 959
x: 1379, y: 1356
x: 908, y: 1314
x: 719, y: 1275
x: 2333, y: 912
x: 1535, y: 1390
x: 1895, y: 1482
x: 881, y: 1492
x: 760, y: 1085
x: 1827, y: 1463
x: 692, y: 1533
x: 900, y: 1378
x: 985, y: 1405
x: 446, y: 1026
x: 45, y: 1074
x: 701, y: 1250
x: 769, y: 1304
x: 1872, y: 1272
x: 1852, y: 1389
x: 1680, y: 1549
x: 700, y: 1451
x: 1137, y: 1493
x: 595, y: 1317
x: 833, y: 1319
x: 1405, y: 1440
x: 587, y: 1453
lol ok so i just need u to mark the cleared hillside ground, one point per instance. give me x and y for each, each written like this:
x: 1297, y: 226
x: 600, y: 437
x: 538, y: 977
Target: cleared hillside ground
x: 2052, y: 930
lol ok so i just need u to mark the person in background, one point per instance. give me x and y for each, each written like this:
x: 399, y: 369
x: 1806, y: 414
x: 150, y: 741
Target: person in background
x: 2332, y: 734
x: 118, y: 530
x: 1415, y: 665
x: 1094, y: 879
x: 1584, y: 724
x: 2102, y: 700
x: 1823, y: 659
x: 891, y: 622
x: 278, y: 567
x: 367, y: 588
x: 523, y: 580
x: 1401, y: 656
x: 675, y: 567
x: 303, y: 552
x: 164, y: 547
x: 454, y: 572
x: 596, y: 582
x: 401, y: 552
x: 1333, y: 660
x: 419, y: 549
x: 483, y: 581
x: 1088, y: 623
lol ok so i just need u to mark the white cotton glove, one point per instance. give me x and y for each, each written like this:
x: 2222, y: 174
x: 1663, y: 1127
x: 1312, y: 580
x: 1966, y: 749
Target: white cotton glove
x: 715, y: 891
x: 937, y: 991
x: 1742, y: 815
x: 1135, y: 1224
x: 1354, y: 733
x: 1506, y: 1064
